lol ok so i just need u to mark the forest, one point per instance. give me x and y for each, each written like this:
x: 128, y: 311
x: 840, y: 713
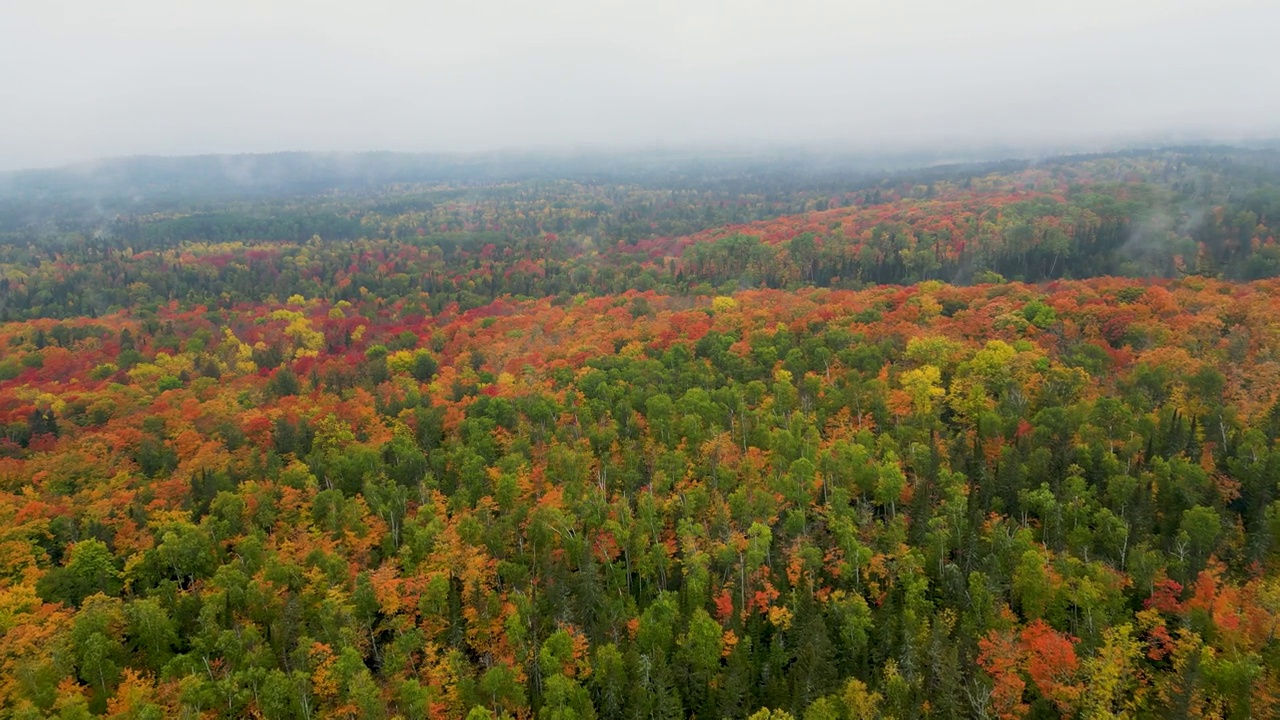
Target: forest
x: 731, y: 439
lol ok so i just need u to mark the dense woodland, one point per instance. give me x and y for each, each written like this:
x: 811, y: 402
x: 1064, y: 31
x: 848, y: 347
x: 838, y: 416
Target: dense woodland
x: 965, y: 442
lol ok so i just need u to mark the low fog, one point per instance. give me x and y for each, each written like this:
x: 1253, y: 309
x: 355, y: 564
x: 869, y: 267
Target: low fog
x: 87, y: 80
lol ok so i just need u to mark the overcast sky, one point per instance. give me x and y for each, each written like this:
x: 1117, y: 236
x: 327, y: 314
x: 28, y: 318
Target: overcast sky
x: 89, y: 79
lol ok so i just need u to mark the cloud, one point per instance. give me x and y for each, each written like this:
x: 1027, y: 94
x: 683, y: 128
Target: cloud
x: 108, y: 79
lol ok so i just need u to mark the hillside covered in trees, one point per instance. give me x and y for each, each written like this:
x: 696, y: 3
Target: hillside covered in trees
x: 716, y: 440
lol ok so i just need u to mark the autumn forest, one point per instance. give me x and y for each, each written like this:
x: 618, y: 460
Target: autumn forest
x: 728, y: 438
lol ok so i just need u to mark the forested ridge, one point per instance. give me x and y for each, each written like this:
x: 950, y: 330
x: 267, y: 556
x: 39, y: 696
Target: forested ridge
x: 1162, y: 214
x: 905, y: 446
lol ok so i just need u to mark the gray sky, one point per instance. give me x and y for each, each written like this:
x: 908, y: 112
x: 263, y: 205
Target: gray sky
x: 87, y: 79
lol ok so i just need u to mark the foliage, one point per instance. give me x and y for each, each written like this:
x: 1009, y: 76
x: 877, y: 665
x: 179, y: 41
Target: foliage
x: 936, y: 500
